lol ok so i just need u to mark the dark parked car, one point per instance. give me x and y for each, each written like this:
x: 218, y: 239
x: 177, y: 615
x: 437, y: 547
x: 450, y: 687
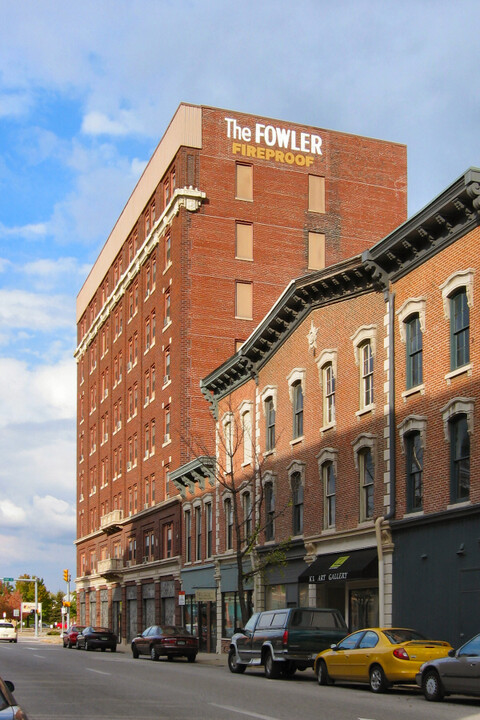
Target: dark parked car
x: 170, y: 641
x: 70, y: 635
x: 285, y: 640
x: 8, y: 704
x: 92, y: 638
x: 458, y: 673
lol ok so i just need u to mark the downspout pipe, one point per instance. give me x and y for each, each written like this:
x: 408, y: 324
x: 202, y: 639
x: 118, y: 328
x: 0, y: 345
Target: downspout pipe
x: 390, y: 299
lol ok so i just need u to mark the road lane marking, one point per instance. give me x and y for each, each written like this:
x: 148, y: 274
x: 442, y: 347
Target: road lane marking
x: 244, y: 712
x: 100, y: 672
x: 40, y: 656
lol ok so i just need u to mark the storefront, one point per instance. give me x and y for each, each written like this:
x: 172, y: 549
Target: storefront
x: 200, y: 608
x: 347, y: 581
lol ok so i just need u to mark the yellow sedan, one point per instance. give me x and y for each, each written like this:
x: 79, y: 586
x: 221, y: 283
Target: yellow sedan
x: 378, y: 656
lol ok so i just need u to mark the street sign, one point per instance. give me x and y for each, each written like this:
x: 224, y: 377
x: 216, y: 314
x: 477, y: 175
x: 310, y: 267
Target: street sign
x: 8, y: 579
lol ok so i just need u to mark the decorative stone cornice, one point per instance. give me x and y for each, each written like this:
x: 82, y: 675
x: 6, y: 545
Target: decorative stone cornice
x: 188, y: 198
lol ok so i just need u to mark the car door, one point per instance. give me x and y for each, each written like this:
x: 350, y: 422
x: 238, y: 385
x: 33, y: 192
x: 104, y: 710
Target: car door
x: 244, y: 640
x: 462, y: 673
x: 340, y: 662
x: 143, y: 642
x: 361, y: 656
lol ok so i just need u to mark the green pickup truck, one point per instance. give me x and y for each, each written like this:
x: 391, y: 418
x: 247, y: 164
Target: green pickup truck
x: 285, y: 640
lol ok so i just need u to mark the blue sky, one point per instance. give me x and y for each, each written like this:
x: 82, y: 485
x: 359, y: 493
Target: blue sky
x: 87, y: 90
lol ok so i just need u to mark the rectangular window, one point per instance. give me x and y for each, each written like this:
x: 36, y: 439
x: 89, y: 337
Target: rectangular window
x: 244, y: 241
x: 208, y: 529
x: 297, y: 500
x: 229, y: 524
x: 247, y: 437
x: 247, y: 515
x: 244, y: 300
x: 414, y: 456
x: 316, y: 251
x: 168, y: 540
x: 328, y: 395
x: 366, y: 369
x: 414, y: 351
x: 198, y: 533
x: 269, y: 512
x: 269, y: 424
x: 316, y: 193
x: 328, y: 473
x: 459, y: 458
x: 459, y: 330
x: 297, y: 410
x: 244, y: 182
x: 366, y: 484
x: 188, y: 536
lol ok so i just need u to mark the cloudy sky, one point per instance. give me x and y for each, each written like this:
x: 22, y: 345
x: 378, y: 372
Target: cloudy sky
x: 86, y: 92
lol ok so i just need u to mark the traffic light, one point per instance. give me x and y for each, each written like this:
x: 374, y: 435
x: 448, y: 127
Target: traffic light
x: 65, y: 575
x: 66, y: 603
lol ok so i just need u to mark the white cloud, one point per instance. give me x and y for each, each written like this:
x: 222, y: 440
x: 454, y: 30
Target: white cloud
x: 97, y: 123
x: 36, y: 395
x: 11, y: 515
x: 32, y: 231
x: 23, y: 309
x: 48, y: 274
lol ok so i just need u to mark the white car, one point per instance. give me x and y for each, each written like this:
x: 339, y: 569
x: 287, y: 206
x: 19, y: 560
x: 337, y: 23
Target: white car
x: 8, y: 631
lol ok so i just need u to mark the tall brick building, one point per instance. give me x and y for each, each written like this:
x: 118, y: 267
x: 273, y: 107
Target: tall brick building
x: 361, y: 389
x: 230, y: 208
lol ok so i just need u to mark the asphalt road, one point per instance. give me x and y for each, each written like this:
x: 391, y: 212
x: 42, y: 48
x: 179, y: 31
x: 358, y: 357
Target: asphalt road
x: 53, y: 683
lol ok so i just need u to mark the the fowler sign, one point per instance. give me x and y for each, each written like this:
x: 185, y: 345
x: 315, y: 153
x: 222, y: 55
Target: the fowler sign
x: 268, y: 142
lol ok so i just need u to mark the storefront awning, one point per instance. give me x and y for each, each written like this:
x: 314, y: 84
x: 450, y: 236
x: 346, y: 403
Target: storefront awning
x: 342, y: 566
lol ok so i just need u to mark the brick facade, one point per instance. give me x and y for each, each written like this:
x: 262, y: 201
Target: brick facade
x: 162, y: 294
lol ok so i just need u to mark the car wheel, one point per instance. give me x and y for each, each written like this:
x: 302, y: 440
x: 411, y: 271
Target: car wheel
x: 103, y: 649
x: 432, y: 686
x: 153, y: 653
x: 378, y: 681
x: 113, y: 649
x: 191, y: 658
x: 272, y: 670
x: 170, y: 658
x: 77, y: 646
x: 134, y: 652
x: 87, y: 646
x: 233, y: 665
x: 322, y: 673
x: 69, y: 645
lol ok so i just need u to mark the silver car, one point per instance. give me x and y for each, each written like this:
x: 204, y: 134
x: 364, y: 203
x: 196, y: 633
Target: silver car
x: 458, y: 673
x: 8, y: 705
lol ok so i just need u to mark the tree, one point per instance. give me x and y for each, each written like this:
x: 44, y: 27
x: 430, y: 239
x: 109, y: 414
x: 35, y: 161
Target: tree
x: 239, y: 469
x: 10, y: 600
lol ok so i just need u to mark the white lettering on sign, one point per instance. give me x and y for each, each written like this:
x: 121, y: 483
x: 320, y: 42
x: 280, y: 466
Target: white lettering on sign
x: 270, y: 135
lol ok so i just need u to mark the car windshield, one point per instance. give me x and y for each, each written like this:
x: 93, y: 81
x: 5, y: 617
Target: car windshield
x: 6, y: 625
x: 173, y: 630
x: 400, y: 635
